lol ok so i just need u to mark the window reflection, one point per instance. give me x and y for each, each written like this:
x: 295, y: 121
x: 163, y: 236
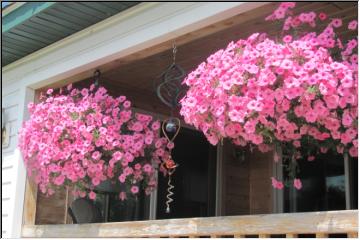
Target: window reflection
x: 323, y: 185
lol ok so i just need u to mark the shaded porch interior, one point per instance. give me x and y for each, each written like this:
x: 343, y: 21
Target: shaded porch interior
x: 245, y: 184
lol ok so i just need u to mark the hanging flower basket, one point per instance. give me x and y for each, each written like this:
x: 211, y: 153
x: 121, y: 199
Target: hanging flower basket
x: 299, y: 92
x: 83, y: 138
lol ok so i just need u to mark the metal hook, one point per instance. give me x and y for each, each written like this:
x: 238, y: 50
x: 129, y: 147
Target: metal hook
x: 174, y: 52
x: 97, y: 74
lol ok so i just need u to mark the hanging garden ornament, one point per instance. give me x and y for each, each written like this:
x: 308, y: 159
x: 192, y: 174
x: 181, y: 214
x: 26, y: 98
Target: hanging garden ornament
x: 172, y: 126
x: 170, y: 90
x: 168, y: 85
x: 170, y: 166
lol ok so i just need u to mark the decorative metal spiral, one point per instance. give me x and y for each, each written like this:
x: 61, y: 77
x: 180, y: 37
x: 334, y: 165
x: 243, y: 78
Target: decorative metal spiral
x: 168, y: 196
x: 170, y: 90
x: 168, y: 85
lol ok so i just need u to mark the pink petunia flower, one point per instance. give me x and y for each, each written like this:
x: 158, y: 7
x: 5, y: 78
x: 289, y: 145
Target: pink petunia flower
x: 352, y: 25
x: 336, y: 22
x: 134, y: 189
x: 297, y: 184
x: 92, y: 195
x: 322, y: 16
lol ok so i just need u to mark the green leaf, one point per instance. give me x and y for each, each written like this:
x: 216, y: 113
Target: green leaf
x: 96, y: 134
x: 74, y: 116
x: 312, y: 89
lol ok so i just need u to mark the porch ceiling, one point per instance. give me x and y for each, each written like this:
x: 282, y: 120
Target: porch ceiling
x: 134, y: 74
x: 194, y: 49
x: 35, y: 25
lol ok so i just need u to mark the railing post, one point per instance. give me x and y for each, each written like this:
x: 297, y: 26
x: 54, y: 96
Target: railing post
x: 239, y: 236
x: 321, y: 235
x: 264, y: 235
x: 291, y: 235
x: 352, y: 235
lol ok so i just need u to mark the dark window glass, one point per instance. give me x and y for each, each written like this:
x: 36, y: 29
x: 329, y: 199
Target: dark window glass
x: 354, y: 182
x: 323, y: 185
x: 194, y: 178
x: 130, y: 210
x: 114, y: 210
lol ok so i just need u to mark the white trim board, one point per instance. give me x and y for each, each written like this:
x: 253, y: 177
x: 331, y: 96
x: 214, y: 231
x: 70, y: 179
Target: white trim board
x: 138, y: 28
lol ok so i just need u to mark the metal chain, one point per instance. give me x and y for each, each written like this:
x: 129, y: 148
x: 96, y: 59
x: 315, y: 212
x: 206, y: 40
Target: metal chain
x: 174, y: 52
x: 97, y: 74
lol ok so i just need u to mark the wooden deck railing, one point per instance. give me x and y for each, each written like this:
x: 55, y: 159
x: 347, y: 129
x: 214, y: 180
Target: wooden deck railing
x: 290, y: 225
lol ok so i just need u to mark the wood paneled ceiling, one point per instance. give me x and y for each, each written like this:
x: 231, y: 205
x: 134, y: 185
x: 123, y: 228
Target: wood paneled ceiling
x: 134, y: 75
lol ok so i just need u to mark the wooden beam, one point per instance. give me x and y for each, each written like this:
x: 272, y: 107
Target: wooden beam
x: 321, y: 223
x: 352, y: 235
x: 29, y: 214
x: 31, y: 189
x: 239, y: 236
x: 321, y: 235
x: 291, y: 235
x: 264, y: 235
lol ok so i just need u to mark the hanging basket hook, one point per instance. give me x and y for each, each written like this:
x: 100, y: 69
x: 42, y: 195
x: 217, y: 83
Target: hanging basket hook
x: 97, y: 74
x: 174, y: 52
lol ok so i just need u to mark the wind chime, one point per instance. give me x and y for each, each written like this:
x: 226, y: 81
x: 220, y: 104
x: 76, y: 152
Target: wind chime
x: 169, y: 90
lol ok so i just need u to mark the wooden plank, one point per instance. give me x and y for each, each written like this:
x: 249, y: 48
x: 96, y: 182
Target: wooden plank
x: 264, y: 235
x: 51, y: 209
x: 291, y: 235
x: 31, y: 189
x: 321, y: 235
x: 29, y: 212
x: 352, y: 235
x: 239, y: 236
x: 311, y: 222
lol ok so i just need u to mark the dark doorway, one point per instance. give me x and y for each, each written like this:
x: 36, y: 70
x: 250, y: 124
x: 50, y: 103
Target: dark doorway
x: 194, y: 178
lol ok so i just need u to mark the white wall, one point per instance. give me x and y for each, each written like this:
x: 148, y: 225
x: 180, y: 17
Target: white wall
x: 9, y: 160
x: 13, y: 170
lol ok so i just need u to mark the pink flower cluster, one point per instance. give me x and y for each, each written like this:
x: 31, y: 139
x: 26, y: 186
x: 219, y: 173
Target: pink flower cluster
x: 85, y: 137
x: 259, y: 91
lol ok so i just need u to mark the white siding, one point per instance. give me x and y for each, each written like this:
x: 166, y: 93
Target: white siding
x: 10, y: 103
x: 13, y: 174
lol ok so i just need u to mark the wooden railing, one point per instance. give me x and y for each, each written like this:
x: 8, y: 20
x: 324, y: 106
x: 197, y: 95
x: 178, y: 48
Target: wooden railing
x: 290, y: 225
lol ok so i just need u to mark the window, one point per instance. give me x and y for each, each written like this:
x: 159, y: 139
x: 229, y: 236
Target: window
x: 324, y: 185
x: 194, y: 179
